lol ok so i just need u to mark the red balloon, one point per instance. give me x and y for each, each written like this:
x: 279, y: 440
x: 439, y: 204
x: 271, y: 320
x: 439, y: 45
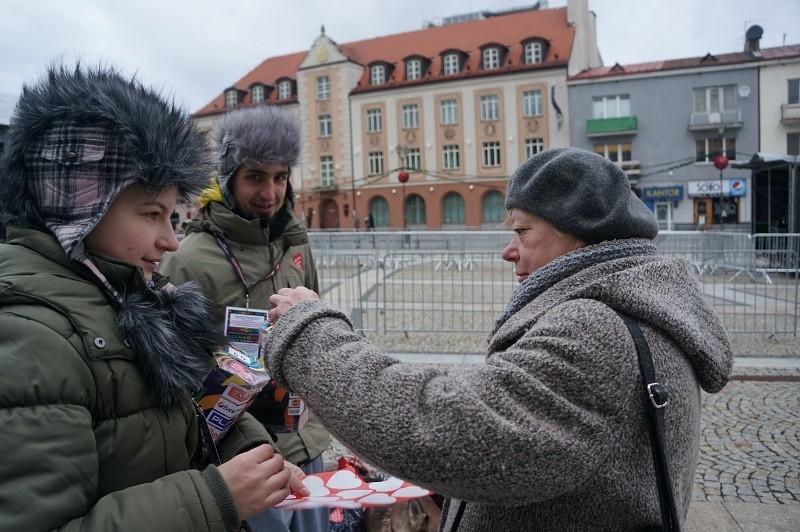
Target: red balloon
x: 721, y: 162
x: 402, y: 176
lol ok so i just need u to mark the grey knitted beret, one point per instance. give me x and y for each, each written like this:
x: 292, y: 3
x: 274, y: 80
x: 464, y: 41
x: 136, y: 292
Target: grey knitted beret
x: 256, y: 135
x: 581, y: 193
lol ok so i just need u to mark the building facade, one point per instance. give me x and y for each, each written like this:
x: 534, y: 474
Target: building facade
x: 668, y: 122
x: 421, y: 130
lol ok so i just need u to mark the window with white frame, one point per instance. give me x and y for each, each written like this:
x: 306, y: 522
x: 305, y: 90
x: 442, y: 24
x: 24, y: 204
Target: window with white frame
x: 449, y: 112
x: 614, y: 106
x: 708, y: 148
x: 451, y: 157
x: 533, y: 146
x: 490, y: 107
x: 323, y: 88
x: 375, y: 162
x: 491, y: 154
x: 533, y: 53
x: 491, y: 58
x: 615, y: 152
x: 377, y: 75
x: 794, y: 91
x: 374, y: 120
x: 326, y: 170
x: 284, y: 90
x: 410, y: 116
x: 257, y: 94
x: 412, y: 160
x: 232, y: 98
x: 413, y: 69
x: 715, y: 99
x: 324, y: 127
x: 532, y: 103
x: 451, y: 64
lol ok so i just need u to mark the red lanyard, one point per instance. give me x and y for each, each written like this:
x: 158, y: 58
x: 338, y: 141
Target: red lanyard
x: 237, y: 268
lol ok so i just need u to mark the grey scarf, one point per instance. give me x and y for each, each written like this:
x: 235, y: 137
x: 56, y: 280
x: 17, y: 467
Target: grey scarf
x: 570, y: 264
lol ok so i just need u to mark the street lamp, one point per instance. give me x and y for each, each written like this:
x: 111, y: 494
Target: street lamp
x: 402, y: 176
x: 720, y: 163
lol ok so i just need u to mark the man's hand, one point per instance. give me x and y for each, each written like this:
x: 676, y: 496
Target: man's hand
x: 286, y: 298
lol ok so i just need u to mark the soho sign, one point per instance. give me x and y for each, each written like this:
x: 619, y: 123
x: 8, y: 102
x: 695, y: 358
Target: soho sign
x: 730, y: 187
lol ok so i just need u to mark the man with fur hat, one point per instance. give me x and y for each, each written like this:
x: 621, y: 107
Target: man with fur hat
x: 245, y: 245
x: 100, y: 354
x: 560, y: 399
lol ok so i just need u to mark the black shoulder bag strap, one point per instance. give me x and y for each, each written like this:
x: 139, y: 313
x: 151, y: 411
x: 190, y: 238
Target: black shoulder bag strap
x: 655, y: 401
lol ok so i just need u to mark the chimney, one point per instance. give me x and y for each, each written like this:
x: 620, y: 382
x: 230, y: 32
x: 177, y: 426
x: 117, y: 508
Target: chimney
x: 751, y: 40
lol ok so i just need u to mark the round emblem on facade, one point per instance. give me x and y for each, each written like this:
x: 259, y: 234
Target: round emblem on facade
x: 411, y: 136
x: 532, y: 126
x: 489, y: 129
x: 449, y: 133
x: 374, y: 140
x: 324, y: 145
x: 323, y: 106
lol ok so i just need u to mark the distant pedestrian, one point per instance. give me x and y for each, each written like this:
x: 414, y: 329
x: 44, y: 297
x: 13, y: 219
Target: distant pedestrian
x: 369, y: 222
x: 551, y: 432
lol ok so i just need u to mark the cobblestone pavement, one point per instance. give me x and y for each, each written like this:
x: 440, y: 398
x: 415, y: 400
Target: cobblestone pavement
x: 750, y: 446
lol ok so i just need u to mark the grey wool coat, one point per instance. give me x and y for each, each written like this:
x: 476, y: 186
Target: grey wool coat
x: 549, y: 433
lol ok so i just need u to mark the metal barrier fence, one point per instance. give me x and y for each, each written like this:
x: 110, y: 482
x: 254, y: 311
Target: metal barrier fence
x: 439, y: 286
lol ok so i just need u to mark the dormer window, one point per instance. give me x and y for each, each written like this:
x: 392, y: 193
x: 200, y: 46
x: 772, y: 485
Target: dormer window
x: 413, y: 69
x: 534, y: 53
x: 257, y: 94
x: 451, y: 64
x: 284, y: 89
x: 377, y: 75
x: 231, y: 98
x: 491, y: 58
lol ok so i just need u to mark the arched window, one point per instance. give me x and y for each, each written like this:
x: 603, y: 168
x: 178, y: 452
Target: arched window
x: 415, y: 210
x: 453, y: 208
x: 379, y: 208
x: 494, y: 210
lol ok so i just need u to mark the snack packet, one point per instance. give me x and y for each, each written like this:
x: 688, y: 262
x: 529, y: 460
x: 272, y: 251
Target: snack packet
x: 229, y: 388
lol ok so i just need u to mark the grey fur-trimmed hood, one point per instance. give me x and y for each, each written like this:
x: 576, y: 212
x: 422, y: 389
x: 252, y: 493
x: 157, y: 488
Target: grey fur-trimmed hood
x: 163, y: 147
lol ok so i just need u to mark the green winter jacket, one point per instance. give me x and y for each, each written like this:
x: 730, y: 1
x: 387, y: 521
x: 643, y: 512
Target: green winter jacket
x: 259, y: 252
x: 86, y: 445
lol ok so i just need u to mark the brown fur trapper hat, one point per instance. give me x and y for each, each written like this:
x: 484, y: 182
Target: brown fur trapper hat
x: 257, y: 135
x: 581, y: 193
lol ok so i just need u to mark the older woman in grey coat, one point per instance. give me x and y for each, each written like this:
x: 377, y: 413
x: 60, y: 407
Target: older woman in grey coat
x: 549, y: 433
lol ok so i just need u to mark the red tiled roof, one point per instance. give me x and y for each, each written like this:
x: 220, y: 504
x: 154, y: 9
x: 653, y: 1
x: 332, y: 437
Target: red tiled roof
x: 708, y: 60
x: 510, y: 30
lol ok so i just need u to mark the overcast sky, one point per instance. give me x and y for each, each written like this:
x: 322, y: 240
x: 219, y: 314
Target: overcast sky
x: 193, y: 49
